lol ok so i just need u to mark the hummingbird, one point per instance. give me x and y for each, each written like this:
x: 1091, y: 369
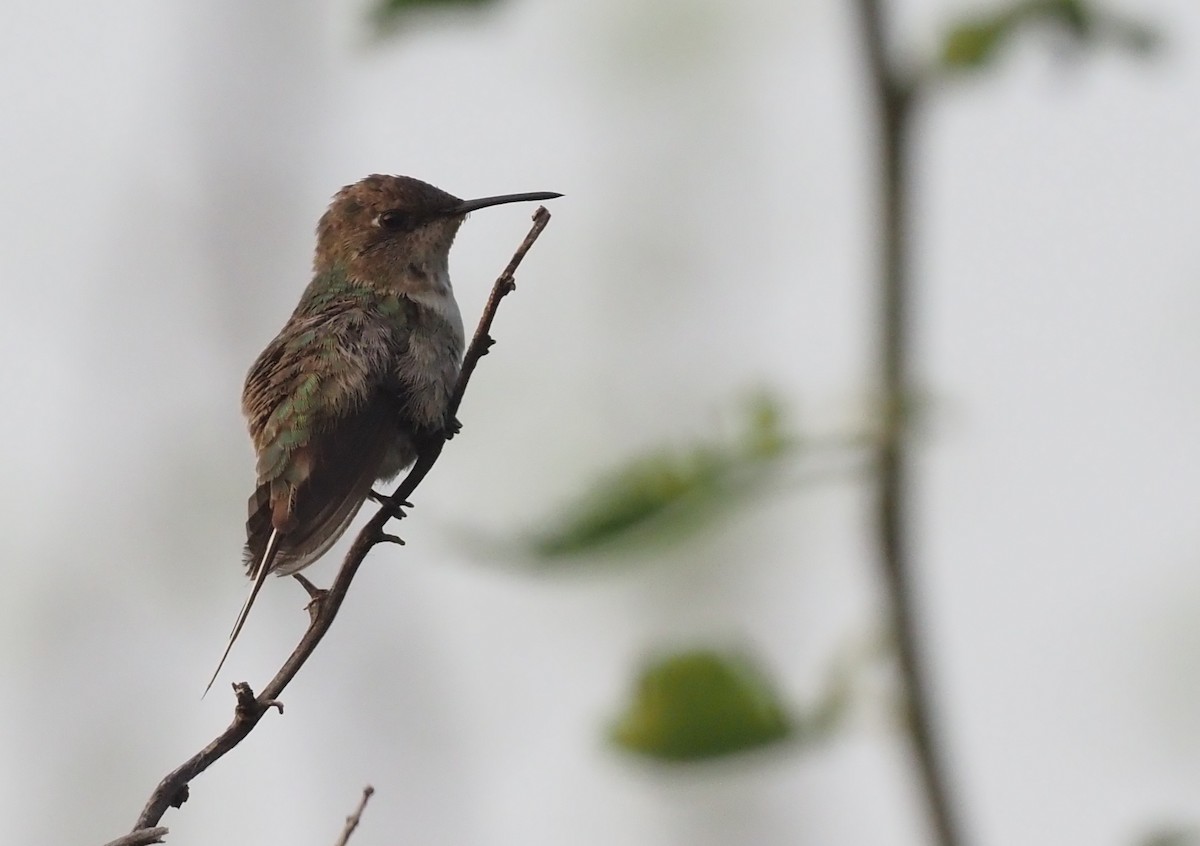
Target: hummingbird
x: 361, y: 375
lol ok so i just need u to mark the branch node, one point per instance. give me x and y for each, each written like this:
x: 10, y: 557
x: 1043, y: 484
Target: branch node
x: 247, y: 704
x: 140, y: 837
x: 315, y: 593
x: 354, y: 819
x: 384, y: 537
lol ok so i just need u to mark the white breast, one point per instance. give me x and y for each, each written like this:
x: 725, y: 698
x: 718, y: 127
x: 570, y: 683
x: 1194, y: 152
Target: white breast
x: 439, y: 298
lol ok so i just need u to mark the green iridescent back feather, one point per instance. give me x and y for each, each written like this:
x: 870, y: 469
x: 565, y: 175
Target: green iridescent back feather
x: 319, y: 367
x: 320, y: 428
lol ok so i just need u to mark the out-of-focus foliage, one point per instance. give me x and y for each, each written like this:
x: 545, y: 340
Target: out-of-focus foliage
x: 700, y: 705
x: 389, y: 14
x: 1173, y: 837
x: 682, y: 487
x: 974, y: 42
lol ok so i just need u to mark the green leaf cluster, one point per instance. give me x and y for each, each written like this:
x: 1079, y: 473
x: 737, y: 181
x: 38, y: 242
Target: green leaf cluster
x: 682, y: 487
x: 388, y: 14
x: 974, y: 42
x: 699, y: 705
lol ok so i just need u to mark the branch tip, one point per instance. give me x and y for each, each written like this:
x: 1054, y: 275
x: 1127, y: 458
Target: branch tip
x: 354, y: 819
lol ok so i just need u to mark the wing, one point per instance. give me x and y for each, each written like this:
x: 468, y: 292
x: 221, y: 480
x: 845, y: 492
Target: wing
x: 321, y: 426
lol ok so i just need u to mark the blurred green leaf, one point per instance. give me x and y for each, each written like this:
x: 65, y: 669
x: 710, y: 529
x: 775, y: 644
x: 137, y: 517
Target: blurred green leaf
x: 699, y: 705
x: 764, y: 436
x: 1173, y: 837
x: 1133, y: 36
x: 635, y: 495
x: 686, y: 484
x: 389, y: 14
x: 974, y: 42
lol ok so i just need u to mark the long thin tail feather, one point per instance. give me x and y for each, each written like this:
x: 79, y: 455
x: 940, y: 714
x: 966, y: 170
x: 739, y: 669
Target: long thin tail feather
x: 260, y: 576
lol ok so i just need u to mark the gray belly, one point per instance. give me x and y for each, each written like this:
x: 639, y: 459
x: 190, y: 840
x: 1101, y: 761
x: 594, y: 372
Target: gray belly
x: 399, y: 455
x: 425, y: 376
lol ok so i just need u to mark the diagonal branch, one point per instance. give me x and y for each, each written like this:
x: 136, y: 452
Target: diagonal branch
x: 172, y: 791
x: 354, y: 819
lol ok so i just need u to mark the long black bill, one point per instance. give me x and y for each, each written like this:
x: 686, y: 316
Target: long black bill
x: 484, y: 202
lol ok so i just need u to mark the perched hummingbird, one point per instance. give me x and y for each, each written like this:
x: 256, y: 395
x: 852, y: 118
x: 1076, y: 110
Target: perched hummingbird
x: 361, y: 374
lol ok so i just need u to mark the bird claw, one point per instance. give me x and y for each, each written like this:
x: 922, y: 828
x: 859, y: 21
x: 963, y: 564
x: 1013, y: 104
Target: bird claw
x: 393, y: 506
x: 451, y: 428
x: 386, y: 499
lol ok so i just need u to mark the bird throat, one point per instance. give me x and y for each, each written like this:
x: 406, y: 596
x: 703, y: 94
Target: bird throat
x: 429, y: 286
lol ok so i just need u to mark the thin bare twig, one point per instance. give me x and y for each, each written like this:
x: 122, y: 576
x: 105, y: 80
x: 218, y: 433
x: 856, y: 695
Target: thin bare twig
x: 172, y: 791
x: 354, y: 819
x: 894, y: 98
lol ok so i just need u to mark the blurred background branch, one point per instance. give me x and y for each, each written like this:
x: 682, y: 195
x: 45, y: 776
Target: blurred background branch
x: 894, y: 100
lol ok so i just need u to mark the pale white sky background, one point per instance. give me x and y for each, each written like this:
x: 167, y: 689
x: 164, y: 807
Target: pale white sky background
x: 162, y: 168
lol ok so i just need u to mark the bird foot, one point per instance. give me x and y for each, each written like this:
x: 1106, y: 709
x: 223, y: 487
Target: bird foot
x: 385, y: 499
x: 393, y: 506
x: 452, y: 427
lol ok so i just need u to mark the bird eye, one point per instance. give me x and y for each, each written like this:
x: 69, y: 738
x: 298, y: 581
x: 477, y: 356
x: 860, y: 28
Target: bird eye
x: 396, y: 221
